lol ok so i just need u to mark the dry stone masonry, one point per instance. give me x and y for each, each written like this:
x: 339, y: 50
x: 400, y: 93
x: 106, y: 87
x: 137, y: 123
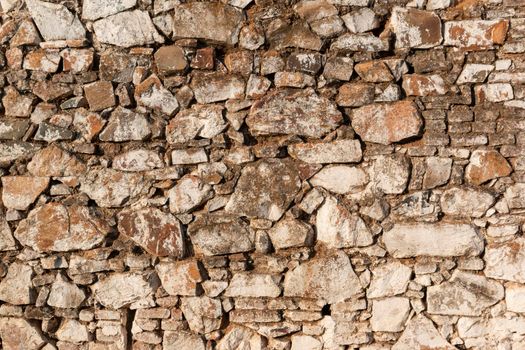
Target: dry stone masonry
x: 262, y: 174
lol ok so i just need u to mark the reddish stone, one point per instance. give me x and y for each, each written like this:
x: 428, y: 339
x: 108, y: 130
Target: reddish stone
x: 424, y: 85
x: 204, y: 58
x: 42, y: 60
x: 19, y: 192
x: 170, y: 59
x: 485, y: 166
x: 416, y: 28
x: 54, y: 161
x: 100, y: 95
x: 476, y: 34
x: 374, y: 71
x: 355, y: 94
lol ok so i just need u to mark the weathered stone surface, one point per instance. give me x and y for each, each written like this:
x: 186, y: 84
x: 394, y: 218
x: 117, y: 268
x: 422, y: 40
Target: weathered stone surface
x: 18, y: 331
x: 515, y: 297
x: 54, y: 21
x: 77, y: 60
x: 390, y: 174
x: 180, y: 278
x: 514, y: 196
x: 497, y: 92
x: 126, y: 125
x: 199, y: 120
x: 289, y: 233
x: 137, y: 160
x: 13, y: 128
x: 95, y: 9
x: 151, y: 93
x: 506, y: 260
x: 189, y: 193
x: 15, y: 104
x: 19, y: 192
x: 204, y: 315
x: 339, y: 151
x: 126, y: 29
x: 467, y: 202
x: 442, y: 239
x: 16, y: 286
x: 387, y: 123
x: 7, y: 242
x: 112, y: 188
x: 360, y: 21
x: 214, y: 87
x: 122, y: 289
x: 13, y: 150
x: 170, y: 59
x: 416, y: 28
x: 297, y: 35
x: 305, y: 342
x: 464, y: 294
x: 253, y: 285
x: 277, y: 181
x: 388, y: 280
x: 72, y: 331
x: 238, y: 337
x: 485, y: 165
x: 215, y: 22
x: 360, y: 42
x: 341, y: 179
x: 437, y: 173
x: 99, y: 95
x: 217, y: 235
x: 175, y: 340
x: 329, y: 277
x: 475, y: 34
x: 390, y: 314
x: 474, y: 73
x: 64, y: 294
x: 420, y: 333
x: 156, y: 232
x: 56, y: 227
x: 424, y: 85
x: 42, y: 60
x: 293, y: 112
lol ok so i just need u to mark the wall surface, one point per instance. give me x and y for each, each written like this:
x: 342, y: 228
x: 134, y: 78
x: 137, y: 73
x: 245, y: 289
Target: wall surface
x: 262, y: 174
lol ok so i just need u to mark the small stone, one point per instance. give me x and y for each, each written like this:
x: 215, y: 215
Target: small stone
x: 95, y: 9
x: 72, y: 331
x: 152, y: 94
x: 13, y: 150
x: 374, y: 71
x: 126, y: 125
x: 215, y: 87
x: 257, y: 86
x: 156, y: 232
x: 288, y: 111
x: 360, y: 21
x: 305, y: 342
x: 54, y: 227
x: 389, y: 123
x: 485, y: 165
x: 117, y: 66
x: 360, y: 42
x: 355, y: 95
x: 137, y: 160
x: 424, y: 85
x: 16, y: 287
x: 77, y: 60
x: 338, y: 68
x: 314, y: 10
x: 441, y: 239
x: 416, y: 28
x: 309, y: 63
x: 330, y: 278
x: 388, y: 280
x: 87, y: 124
x: 176, y: 340
x: 514, y: 196
x: 277, y: 181
x: 289, y: 233
x: 15, y: 104
x: 390, y: 174
x: 13, y: 128
x: 19, y: 192
x: 238, y: 337
x: 215, y: 22
x: 170, y: 59
x: 180, y: 278
x: 65, y: 294
x: 126, y: 29
x: 506, y: 260
x: 515, y: 297
x: 390, y: 314
x: 100, y: 95
x: 17, y: 331
x: 200, y: 120
x: 253, y: 285
x: 297, y: 35
x: 420, y: 333
x: 188, y: 156
x: 49, y: 133
x: 464, y: 294
x: 7, y: 242
x: 219, y: 234
x: 466, y: 202
x: 293, y: 79
x: 437, y: 173
x: 338, y: 228
x: 476, y: 34
x: 55, y: 22
x: 339, y: 151
x: 341, y: 179
x: 497, y: 92
x: 474, y: 73
x: 42, y: 60
x: 54, y: 161
x: 189, y: 193
x: 120, y: 290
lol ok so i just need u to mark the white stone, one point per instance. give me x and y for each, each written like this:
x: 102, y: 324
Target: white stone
x: 438, y: 4
x: 390, y: 314
x: 388, y: 280
x: 202, y: 313
x: 95, y: 9
x: 474, y: 73
x: 72, y: 331
x: 189, y: 156
x: 54, y: 21
x: 305, y: 342
x: 420, y: 333
x: 199, y: 120
x: 19, y: 334
x: 361, y: 21
x: 180, y: 277
x: 289, y: 233
x: 237, y: 338
x: 253, y: 285
x: 466, y: 202
x: 496, y: 92
x: 339, y: 151
x: 515, y: 297
x: 189, y: 192
x: 178, y: 340
x: 152, y: 94
x: 17, y: 287
x: 391, y: 173
x: 506, y: 260
x: 65, y: 294
x: 341, y: 179
x: 137, y: 160
x: 121, y: 289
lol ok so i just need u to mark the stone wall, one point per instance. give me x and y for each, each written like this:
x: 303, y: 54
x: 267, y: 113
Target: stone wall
x: 262, y: 174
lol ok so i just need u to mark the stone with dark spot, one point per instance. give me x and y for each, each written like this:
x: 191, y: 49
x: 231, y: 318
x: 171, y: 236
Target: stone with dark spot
x: 18, y: 331
x: 216, y: 86
x: 416, y: 28
x: 476, y: 34
x: 126, y: 125
x: 485, y: 165
x: 180, y: 278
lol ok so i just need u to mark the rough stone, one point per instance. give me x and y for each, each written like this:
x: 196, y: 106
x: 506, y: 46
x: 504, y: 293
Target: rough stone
x: 54, y: 21
x: 204, y: 315
x: 126, y: 125
x: 515, y: 297
x: 137, y: 160
x: 100, y: 95
x: 390, y: 314
x: 119, y: 290
x: 19, y: 192
x: 17, y: 331
x: 175, y: 340
x: 437, y: 173
x: 64, y: 294
x: 95, y: 9
x: 341, y: 179
x: 420, y: 333
x: 485, y: 165
x: 180, y: 278
x: 16, y: 286
x: 215, y: 87
x: 189, y: 193
x: 360, y: 42
x: 388, y: 280
x: 390, y: 174
x: 475, y: 34
x: 253, y: 285
x: 170, y: 59
x: 15, y: 104
x: 355, y: 94
x: 466, y: 202
x: 199, y: 120
x: 506, y: 260
x: 360, y: 21
x: 289, y: 233
x: 339, y: 151
x: 151, y: 93
x: 72, y: 331
x: 424, y: 85
x: 416, y: 28
x: 474, y: 73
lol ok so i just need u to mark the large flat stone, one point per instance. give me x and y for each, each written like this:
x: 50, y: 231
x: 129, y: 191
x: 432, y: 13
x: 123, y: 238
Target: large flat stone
x: 506, y: 260
x: 55, y: 21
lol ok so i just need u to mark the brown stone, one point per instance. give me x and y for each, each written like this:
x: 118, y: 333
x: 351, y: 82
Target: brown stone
x: 424, y: 85
x: 117, y: 66
x: 180, y: 278
x: 100, y: 95
x: 214, y: 87
x: 240, y: 62
x: 485, y: 165
x: 387, y: 123
x: 54, y: 161
x: 476, y: 34
x: 19, y: 192
x: 27, y: 34
x: 297, y: 35
x: 15, y: 104
x: 151, y: 93
x: 157, y: 232
x: 170, y: 59
x: 77, y: 60
x: 18, y: 331
x: 54, y: 227
x: 126, y: 125
x: 88, y: 124
x: 42, y: 60
x: 355, y: 94
x: 309, y: 63
x: 416, y: 28
x: 50, y: 91
x: 374, y: 71
x: 204, y: 58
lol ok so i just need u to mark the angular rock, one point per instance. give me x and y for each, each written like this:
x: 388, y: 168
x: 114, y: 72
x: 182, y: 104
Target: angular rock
x: 156, y: 232
x: 126, y: 29
x: 54, y: 21
x: 388, y: 280
x: 19, y: 192
x: 424, y: 85
x: 514, y: 196
x: 13, y: 128
x: 355, y: 94
x: 199, y: 120
x: 288, y: 111
x: 416, y: 28
x: 218, y: 235
x: 64, y: 294
x: 72, y: 331
x: 387, y: 123
x: 360, y: 21
x: 27, y: 34
x: 49, y: 133
x: 180, y: 278
x: 112, y: 188
x: 315, y: 10
x: 215, y: 87
x: 476, y: 34
x: 42, y: 60
x: 437, y: 173
x: 95, y: 9
x: 265, y: 189
x: 360, y: 42
x: 338, y: 68
x: 390, y: 314
x: 290, y: 233
x: 137, y: 160
x: 515, y: 297
x: 16, y: 286
x: 305, y: 342
x: 175, y: 340
x: 100, y: 95
x: 339, y: 151
x: 420, y: 333
x: 374, y: 71
x: 13, y: 150
x: 152, y: 94
x: 189, y: 193
x: 340, y: 179
x: 253, y: 285
x: 329, y: 277
x: 7, y: 242
x: 204, y: 315
x: 170, y: 59
x: 118, y: 66
x: 441, y: 239
x: 497, y: 92
x: 188, y: 156
x: 120, y: 290
x: 126, y: 125
x: 464, y: 294
x: 474, y: 73
x: 77, y: 60
x: 390, y: 174
x: 18, y: 331
x: 486, y: 165
x: 298, y: 35
x: 466, y: 202
x: 506, y: 260
x: 238, y: 337
x: 338, y: 228
x: 87, y: 124
x: 215, y: 22
x: 54, y: 227
x: 15, y: 104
